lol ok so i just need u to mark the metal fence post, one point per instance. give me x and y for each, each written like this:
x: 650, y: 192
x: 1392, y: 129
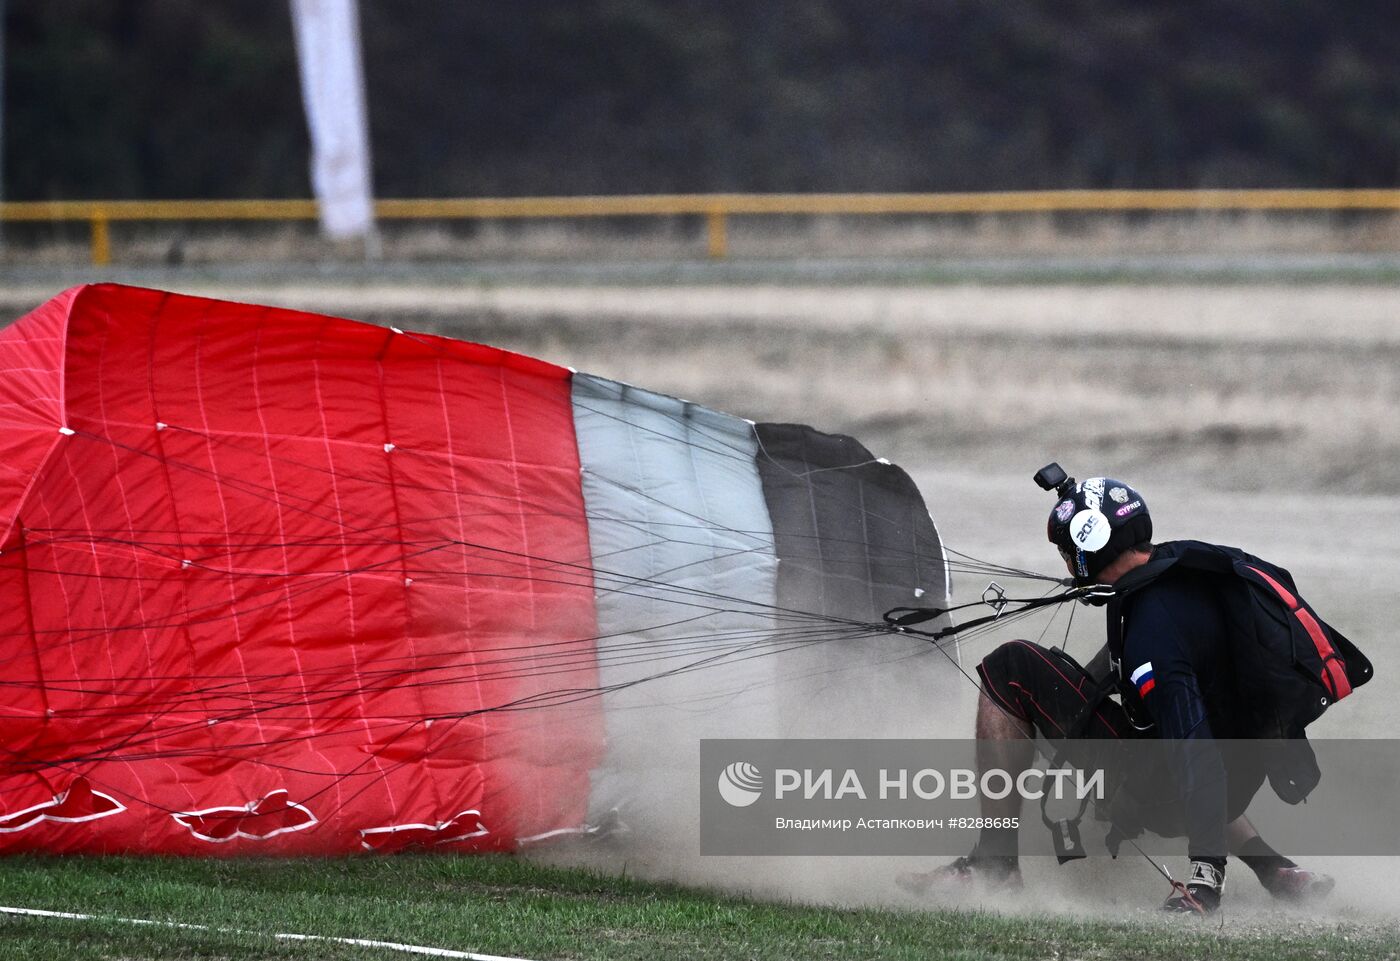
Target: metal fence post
x: 719, y: 233
x: 101, y: 239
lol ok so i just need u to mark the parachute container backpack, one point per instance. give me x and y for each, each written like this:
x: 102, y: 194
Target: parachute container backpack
x: 280, y: 583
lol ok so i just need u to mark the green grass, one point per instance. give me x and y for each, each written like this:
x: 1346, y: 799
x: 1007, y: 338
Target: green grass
x: 507, y: 906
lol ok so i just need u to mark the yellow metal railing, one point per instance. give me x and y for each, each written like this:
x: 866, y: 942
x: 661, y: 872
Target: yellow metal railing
x: 715, y: 208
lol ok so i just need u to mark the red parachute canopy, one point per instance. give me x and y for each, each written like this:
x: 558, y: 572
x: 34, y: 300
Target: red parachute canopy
x: 282, y: 583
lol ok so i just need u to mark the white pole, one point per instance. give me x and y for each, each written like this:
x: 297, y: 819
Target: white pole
x: 333, y: 89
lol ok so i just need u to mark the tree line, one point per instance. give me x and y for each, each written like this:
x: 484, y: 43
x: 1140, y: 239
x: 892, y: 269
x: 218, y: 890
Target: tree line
x: 167, y: 98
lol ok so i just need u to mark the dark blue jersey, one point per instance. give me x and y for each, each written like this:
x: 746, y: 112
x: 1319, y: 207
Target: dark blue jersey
x: 1176, y: 653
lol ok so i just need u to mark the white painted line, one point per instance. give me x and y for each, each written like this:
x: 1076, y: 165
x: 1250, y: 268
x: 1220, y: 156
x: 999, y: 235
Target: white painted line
x: 356, y: 942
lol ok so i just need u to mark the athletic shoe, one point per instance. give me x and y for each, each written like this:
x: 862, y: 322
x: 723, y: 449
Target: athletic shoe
x: 1202, y: 891
x: 1200, y: 901
x: 1298, y: 885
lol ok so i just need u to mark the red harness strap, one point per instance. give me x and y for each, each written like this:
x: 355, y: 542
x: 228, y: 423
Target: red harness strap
x: 1334, y: 675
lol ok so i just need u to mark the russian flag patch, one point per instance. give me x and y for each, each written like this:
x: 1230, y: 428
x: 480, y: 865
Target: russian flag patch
x: 1144, y: 680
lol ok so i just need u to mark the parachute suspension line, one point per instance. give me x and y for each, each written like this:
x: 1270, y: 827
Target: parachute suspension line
x: 976, y: 626
x: 395, y: 681
x: 971, y: 565
x: 1054, y: 616
x: 773, y: 681
x: 430, y: 549
x: 72, y: 766
x: 525, y: 703
x: 736, y: 645
x: 279, y: 498
x: 736, y: 642
x: 388, y: 542
x: 283, y: 499
x: 84, y: 684
x: 763, y: 631
x: 29, y: 619
x: 96, y: 632
x: 1069, y: 626
x: 980, y: 630
x: 335, y: 574
x: 902, y: 619
x: 539, y: 699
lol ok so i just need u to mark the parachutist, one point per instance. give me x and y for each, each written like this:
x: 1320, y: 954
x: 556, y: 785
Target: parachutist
x: 1174, y: 667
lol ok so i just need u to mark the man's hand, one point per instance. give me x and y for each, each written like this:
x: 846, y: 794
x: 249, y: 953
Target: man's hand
x: 1203, y: 890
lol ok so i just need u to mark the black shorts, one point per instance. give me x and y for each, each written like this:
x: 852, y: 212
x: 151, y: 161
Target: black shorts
x: 1049, y: 690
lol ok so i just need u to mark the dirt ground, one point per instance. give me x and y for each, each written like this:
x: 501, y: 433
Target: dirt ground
x: 1287, y: 388
x: 1261, y: 415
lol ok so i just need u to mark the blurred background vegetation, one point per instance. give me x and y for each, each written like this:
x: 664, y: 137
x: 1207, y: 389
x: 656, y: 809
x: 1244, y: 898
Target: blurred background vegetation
x: 167, y: 98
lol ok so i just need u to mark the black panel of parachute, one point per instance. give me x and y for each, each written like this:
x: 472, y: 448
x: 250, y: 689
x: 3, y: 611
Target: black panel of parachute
x: 853, y: 540
x: 850, y: 529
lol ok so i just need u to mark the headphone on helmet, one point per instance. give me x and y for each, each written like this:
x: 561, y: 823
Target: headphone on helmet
x: 1095, y: 521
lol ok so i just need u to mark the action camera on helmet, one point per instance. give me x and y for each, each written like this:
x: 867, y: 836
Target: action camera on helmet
x: 1052, y: 477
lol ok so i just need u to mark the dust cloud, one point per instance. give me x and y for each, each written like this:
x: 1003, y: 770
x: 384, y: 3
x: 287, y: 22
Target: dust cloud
x: 1258, y: 416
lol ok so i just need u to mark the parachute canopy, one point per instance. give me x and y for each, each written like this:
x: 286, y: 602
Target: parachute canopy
x: 276, y: 582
